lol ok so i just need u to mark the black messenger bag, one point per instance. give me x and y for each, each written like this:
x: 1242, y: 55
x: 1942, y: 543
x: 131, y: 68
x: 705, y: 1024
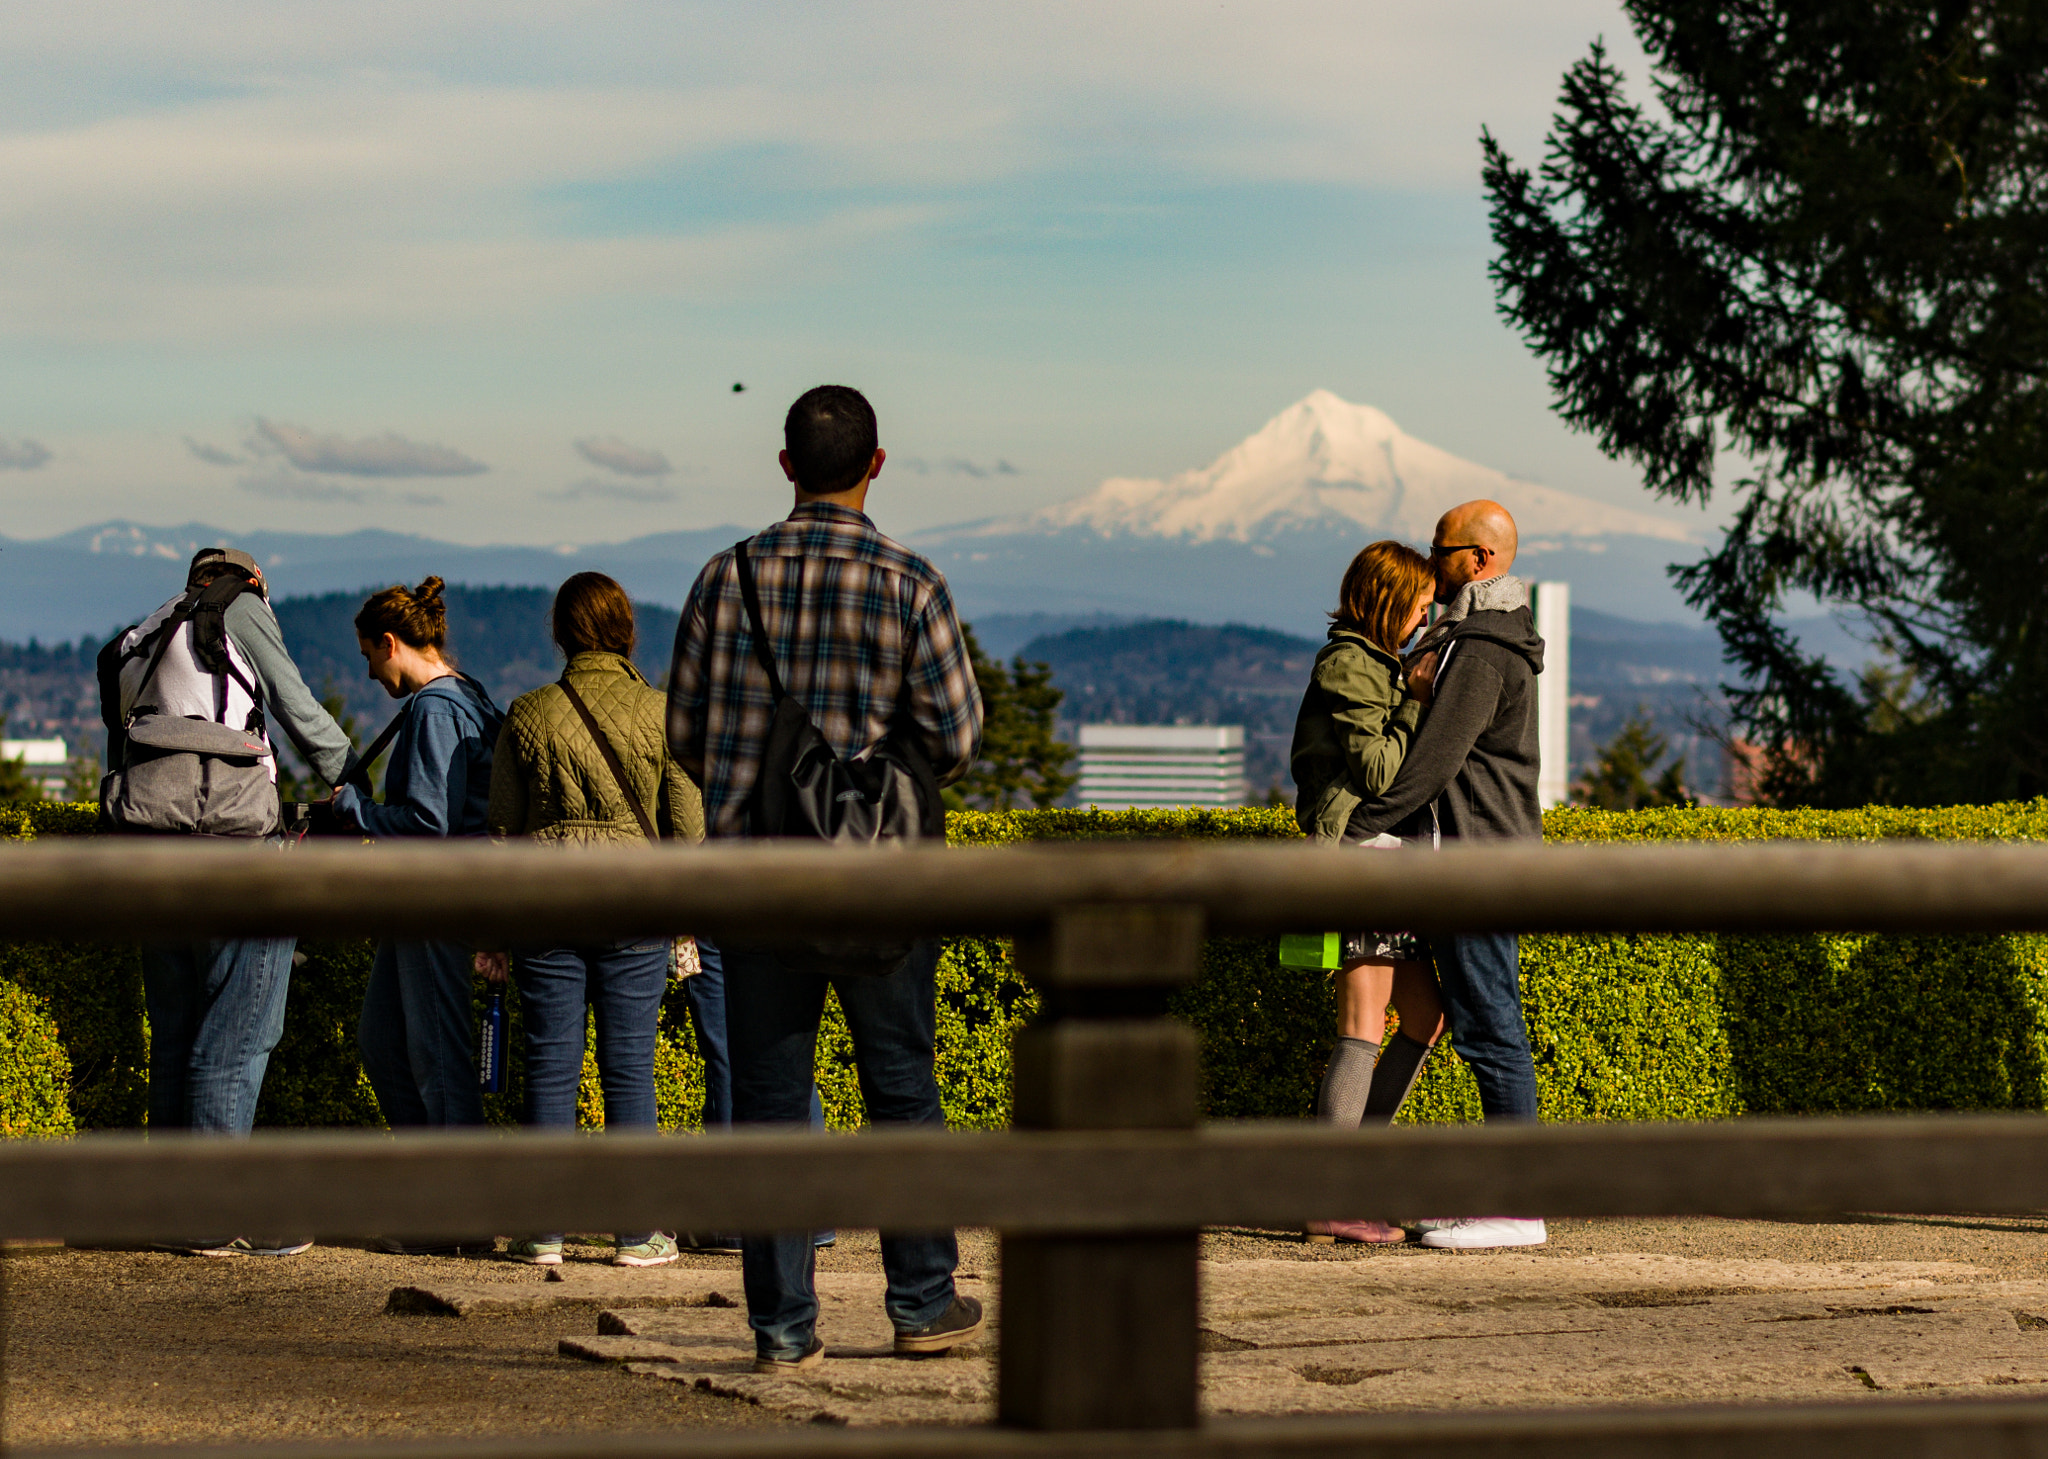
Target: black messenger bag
x: 805, y: 791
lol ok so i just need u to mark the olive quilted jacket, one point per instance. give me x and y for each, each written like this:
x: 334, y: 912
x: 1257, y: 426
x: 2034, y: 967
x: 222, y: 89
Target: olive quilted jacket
x: 549, y: 782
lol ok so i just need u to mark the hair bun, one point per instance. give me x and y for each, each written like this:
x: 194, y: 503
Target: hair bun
x: 418, y: 615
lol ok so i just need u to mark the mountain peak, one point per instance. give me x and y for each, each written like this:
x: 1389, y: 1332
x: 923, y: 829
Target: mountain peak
x: 1324, y: 464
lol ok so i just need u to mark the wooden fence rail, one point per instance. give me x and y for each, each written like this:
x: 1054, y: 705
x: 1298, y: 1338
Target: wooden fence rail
x: 124, y: 1188
x: 133, y: 888
x: 1106, y: 1179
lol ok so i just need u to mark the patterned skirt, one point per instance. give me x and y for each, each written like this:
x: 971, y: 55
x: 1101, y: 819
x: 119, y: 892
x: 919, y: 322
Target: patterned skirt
x: 1385, y: 947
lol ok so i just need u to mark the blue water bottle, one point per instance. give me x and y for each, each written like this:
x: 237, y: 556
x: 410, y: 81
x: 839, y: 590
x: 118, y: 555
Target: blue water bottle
x: 491, y: 1058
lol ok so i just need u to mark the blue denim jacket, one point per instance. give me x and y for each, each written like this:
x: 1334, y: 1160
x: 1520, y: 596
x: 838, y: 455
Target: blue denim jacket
x: 439, y: 783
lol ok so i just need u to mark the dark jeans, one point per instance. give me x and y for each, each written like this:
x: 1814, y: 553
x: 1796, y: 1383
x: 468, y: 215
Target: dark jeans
x: 1481, y: 977
x: 773, y: 1004
x: 706, y: 995
x: 216, y: 1010
x: 621, y: 983
x: 418, y: 1037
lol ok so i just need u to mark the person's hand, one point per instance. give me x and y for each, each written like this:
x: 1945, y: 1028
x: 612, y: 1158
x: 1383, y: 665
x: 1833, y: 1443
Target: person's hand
x: 493, y: 967
x: 323, y: 819
x: 1422, y: 678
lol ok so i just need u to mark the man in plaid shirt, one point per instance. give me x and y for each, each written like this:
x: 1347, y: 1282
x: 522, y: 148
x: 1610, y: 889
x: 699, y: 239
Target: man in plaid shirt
x: 864, y: 633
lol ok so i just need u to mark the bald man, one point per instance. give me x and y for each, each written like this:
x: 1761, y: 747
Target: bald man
x: 1470, y: 775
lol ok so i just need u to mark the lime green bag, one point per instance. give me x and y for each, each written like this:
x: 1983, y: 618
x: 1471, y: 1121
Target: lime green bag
x: 1319, y: 950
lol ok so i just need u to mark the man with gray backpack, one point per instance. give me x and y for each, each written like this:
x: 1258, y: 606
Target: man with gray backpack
x: 189, y: 696
x: 821, y: 691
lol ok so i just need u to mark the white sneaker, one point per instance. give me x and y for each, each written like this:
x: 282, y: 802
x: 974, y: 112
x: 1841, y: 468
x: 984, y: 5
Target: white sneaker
x: 1479, y: 1232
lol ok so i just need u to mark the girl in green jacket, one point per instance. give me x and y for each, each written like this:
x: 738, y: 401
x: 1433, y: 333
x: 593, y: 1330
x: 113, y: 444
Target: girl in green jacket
x: 1357, y: 718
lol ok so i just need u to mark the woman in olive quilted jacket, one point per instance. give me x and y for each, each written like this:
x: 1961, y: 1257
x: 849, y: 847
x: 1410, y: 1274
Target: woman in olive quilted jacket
x: 585, y: 761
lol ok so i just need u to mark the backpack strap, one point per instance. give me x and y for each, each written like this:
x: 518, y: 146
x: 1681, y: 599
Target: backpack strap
x: 163, y: 645
x: 357, y: 771
x: 611, y: 757
x: 211, y: 649
x: 750, y: 594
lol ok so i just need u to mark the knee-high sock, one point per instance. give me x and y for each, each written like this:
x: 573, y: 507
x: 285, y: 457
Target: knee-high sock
x: 1346, y: 1081
x: 1395, y: 1074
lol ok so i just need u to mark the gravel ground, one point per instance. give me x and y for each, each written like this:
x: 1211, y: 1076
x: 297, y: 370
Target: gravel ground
x: 144, y: 1347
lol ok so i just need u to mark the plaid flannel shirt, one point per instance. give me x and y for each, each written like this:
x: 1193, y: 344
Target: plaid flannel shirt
x: 862, y: 630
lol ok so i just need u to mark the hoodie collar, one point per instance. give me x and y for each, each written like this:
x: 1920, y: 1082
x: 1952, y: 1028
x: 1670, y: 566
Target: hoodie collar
x: 1503, y: 594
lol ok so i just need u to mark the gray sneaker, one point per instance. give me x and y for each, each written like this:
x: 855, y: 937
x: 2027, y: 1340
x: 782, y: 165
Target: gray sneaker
x: 270, y: 1245
x: 659, y: 1249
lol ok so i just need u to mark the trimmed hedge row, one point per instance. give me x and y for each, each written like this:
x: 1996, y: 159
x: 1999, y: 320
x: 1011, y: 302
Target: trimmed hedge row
x: 1623, y: 1027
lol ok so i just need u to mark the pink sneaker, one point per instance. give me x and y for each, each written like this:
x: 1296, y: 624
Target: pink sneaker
x: 1368, y: 1233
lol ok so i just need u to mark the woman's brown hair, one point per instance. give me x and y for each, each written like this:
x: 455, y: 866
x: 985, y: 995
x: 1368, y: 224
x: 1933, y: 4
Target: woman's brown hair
x: 1379, y: 592
x: 593, y: 615
x: 411, y: 615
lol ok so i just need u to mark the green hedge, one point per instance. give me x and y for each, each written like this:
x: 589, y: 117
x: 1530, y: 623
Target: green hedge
x: 1623, y: 1027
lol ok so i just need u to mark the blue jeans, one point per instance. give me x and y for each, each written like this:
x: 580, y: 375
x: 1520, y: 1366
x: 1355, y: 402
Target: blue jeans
x: 706, y: 995
x: 773, y: 1003
x: 1481, y: 978
x: 216, y: 1010
x: 621, y: 983
x: 418, y: 1037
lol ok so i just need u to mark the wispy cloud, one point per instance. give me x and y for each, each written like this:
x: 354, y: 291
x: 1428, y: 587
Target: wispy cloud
x: 614, y: 454
x: 22, y: 454
x: 289, y: 486
x: 618, y: 491
x: 213, y: 455
x: 284, y: 487
x: 961, y: 466
x: 956, y: 466
x: 387, y: 455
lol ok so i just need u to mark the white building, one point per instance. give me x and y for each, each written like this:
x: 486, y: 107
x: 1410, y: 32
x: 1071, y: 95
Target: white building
x: 46, y: 761
x: 1130, y: 765
x: 1552, y: 606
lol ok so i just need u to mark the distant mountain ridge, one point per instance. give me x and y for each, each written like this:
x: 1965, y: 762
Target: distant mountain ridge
x: 1261, y: 535
x: 93, y: 580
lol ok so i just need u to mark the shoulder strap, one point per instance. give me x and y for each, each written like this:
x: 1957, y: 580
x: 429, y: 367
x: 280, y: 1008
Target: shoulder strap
x: 163, y: 644
x: 611, y: 757
x: 751, y: 596
x: 357, y: 771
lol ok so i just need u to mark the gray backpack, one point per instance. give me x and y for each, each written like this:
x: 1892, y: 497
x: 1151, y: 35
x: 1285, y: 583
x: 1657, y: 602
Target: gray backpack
x: 181, y: 775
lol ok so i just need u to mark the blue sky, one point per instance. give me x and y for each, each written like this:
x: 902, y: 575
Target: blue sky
x: 257, y: 259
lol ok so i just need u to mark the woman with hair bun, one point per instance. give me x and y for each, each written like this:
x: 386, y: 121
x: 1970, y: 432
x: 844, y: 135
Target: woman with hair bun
x: 417, y: 1033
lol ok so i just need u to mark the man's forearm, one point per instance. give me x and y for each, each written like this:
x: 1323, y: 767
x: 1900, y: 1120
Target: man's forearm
x: 288, y: 703
x: 1463, y: 708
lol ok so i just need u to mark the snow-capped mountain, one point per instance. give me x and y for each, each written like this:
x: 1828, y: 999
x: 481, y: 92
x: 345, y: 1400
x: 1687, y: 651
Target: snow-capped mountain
x: 1326, y: 463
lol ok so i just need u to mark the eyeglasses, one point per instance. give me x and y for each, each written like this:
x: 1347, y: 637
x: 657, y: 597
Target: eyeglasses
x: 1460, y: 547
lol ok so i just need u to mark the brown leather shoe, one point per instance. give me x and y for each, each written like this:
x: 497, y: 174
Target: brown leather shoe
x: 1366, y: 1233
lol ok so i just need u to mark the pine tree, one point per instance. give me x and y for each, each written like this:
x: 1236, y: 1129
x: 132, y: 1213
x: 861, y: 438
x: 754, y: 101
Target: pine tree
x: 1825, y: 255
x: 1020, y: 759
x: 1619, y: 779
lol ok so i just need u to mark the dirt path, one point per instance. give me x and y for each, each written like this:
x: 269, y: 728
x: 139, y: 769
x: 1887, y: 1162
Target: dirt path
x: 140, y: 1347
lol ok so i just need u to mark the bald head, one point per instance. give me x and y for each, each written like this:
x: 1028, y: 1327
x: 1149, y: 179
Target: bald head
x: 1474, y: 541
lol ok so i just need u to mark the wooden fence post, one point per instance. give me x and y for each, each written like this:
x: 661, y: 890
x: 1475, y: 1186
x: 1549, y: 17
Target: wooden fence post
x: 1100, y: 1332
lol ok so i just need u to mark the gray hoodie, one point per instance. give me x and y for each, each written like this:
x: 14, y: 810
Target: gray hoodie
x: 1472, y: 765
